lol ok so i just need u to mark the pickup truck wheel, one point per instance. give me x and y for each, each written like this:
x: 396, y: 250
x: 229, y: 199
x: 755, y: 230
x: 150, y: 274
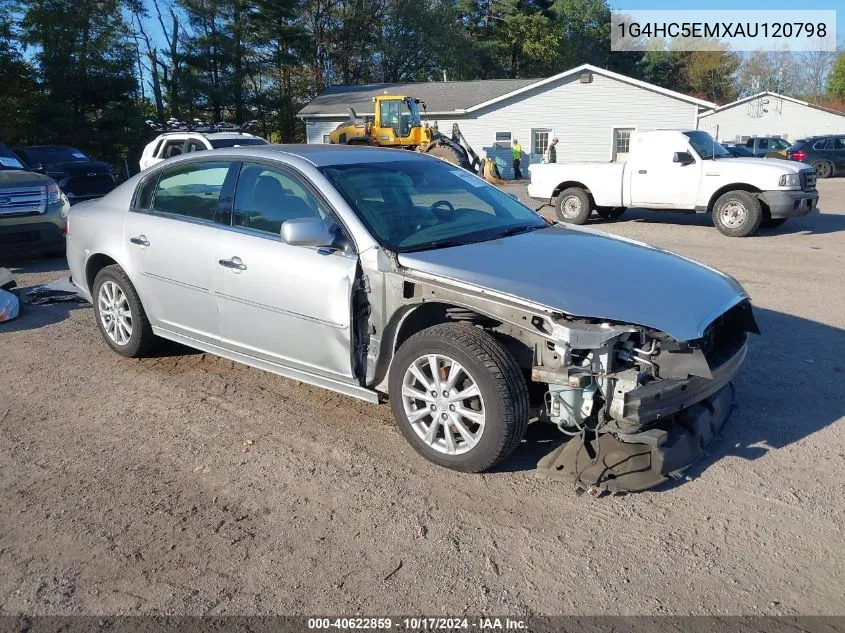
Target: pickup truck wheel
x: 737, y: 214
x: 119, y: 313
x: 573, y: 206
x: 458, y: 397
x: 610, y: 213
x: 823, y: 169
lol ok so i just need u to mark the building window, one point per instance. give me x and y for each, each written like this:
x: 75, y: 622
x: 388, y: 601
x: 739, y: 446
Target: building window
x: 540, y: 141
x: 327, y: 139
x: 503, y: 140
x: 621, y: 143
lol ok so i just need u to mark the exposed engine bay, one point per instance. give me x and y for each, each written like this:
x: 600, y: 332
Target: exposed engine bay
x: 639, y: 405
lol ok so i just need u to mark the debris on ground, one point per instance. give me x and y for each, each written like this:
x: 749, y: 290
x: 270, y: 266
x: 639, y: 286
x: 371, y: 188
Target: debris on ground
x: 10, y: 306
x: 55, y: 292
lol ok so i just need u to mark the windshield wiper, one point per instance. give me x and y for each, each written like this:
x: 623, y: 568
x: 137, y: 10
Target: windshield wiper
x: 428, y: 246
x: 514, y: 230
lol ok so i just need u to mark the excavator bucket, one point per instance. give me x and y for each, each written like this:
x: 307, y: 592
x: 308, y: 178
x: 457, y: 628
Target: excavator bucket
x: 491, y: 174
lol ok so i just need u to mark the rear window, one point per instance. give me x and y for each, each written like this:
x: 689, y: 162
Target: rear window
x: 217, y: 143
x: 48, y: 155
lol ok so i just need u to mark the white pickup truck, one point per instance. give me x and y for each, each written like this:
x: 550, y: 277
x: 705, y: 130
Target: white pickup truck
x: 690, y: 172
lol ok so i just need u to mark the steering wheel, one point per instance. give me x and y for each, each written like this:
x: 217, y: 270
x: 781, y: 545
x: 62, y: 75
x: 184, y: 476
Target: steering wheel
x: 443, y: 213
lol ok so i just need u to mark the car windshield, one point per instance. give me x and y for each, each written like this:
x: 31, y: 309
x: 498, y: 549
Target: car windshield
x: 217, y: 143
x: 706, y: 146
x: 422, y: 204
x: 49, y: 155
x: 8, y: 160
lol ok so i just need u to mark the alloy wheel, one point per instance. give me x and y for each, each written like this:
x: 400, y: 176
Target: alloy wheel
x: 115, y: 314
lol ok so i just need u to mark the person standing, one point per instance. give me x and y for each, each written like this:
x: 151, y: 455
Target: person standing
x: 551, y: 153
x: 517, y: 156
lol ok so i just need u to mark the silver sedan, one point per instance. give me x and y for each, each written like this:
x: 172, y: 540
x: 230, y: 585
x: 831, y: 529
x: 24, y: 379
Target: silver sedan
x: 387, y: 274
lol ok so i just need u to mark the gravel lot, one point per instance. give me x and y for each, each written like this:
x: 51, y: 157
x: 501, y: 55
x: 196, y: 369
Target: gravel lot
x: 187, y: 484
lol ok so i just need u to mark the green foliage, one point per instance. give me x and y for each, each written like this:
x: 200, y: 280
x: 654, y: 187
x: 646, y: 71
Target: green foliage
x: 836, y: 80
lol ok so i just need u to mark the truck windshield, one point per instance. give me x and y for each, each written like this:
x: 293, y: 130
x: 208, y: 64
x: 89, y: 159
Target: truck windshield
x: 706, y: 146
x: 412, y: 205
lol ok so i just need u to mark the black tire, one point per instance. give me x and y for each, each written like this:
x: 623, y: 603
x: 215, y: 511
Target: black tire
x: 499, y: 381
x: 573, y: 206
x: 449, y: 154
x: 823, y: 169
x: 610, y: 213
x: 737, y: 214
x: 142, y: 338
x: 772, y: 223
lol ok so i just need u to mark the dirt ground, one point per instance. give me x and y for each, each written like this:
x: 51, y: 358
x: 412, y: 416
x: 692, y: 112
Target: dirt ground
x: 188, y: 484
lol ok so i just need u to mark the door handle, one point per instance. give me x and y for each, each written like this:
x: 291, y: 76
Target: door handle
x: 235, y: 263
x: 141, y: 240
x: 643, y: 171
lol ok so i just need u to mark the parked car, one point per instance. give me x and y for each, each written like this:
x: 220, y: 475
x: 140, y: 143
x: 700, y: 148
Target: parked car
x: 825, y: 153
x: 387, y: 274
x: 767, y: 146
x: 78, y: 175
x: 33, y: 210
x: 739, y: 151
x: 171, y: 144
x: 670, y: 170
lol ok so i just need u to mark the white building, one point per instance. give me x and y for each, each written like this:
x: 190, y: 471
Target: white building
x: 771, y: 114
x: 592, y: 112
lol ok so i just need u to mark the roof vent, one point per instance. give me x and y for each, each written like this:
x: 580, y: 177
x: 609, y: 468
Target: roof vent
x: 585, y: 77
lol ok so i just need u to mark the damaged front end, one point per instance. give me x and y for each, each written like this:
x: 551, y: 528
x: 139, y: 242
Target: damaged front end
x: 639, y: 405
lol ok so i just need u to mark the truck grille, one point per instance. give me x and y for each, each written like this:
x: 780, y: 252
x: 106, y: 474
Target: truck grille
x: 23, y: 200
x: 808, y: 179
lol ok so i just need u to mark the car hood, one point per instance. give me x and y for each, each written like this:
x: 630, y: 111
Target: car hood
x: 19, y: 178
x: 78, y: 168
x: 585, y: 273
x: 752, y: 165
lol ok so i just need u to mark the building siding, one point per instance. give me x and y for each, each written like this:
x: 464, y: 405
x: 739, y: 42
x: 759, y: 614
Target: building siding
x: 315, y: 129
x: 582, y: 116
x: 781, y: 118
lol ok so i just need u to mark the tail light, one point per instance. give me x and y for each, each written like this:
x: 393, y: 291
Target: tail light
x: 799, y: 155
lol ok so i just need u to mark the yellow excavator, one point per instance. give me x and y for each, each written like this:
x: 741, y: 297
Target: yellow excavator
x: 397, y: 124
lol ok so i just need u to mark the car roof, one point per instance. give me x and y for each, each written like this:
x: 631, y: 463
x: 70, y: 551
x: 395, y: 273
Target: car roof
x: 48, y: 147
x: 321, y: 155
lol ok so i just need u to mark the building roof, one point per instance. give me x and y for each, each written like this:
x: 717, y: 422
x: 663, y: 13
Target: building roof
x: 459, y: 97
x: 769, y: 93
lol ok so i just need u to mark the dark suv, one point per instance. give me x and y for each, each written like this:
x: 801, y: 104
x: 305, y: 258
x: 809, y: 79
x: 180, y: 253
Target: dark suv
x: 79, y: 176
x: 825, y: 153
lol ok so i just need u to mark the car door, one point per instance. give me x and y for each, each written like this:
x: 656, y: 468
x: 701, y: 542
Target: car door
x: 171, y: 234
x: 289, y: 305
x: 838, y: 152
x: 657, y: 181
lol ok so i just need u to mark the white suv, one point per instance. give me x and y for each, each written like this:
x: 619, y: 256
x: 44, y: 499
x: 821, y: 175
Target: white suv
x: 174, y: 143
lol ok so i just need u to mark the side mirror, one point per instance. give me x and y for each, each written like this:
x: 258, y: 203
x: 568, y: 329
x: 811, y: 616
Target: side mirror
x: 685, y: 158
x: 309, y: 232
x: 37, y: 168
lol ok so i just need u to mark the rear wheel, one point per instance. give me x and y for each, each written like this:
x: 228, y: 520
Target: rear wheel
x: 823, y: 169
x: 119, y: 313
x: 458, y: 397
x: 737, y: 214
x: 610, y: 213
x: 573, y: 206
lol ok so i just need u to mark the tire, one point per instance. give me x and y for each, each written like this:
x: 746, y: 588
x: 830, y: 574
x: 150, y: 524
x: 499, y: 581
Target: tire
x: 449, y: 154
x: 772, y: 223
x: 502, y: 401
x: 610, y: 213
x: 823, y: 169
x: 141, y: 337
x: 573, y: 206
x: 737, y: 214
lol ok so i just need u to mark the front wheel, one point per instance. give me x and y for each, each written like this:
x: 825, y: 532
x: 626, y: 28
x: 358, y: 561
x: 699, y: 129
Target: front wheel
x: 458, y: 397
x: 573, y: 206
x: 737, y: 214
